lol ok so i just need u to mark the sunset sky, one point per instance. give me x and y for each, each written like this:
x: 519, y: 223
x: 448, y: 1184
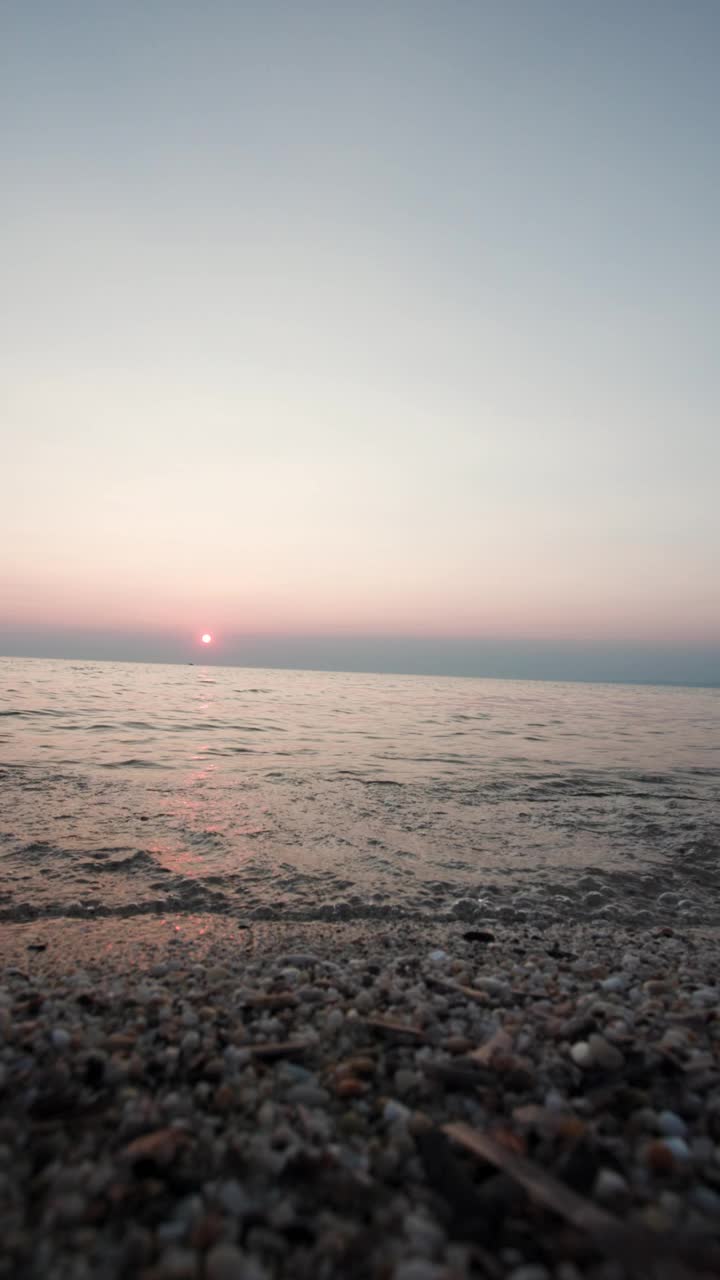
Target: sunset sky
x: 330, y: 322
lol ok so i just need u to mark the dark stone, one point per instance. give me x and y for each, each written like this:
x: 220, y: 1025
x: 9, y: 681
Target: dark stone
x: 556, y: 953
x: 578, y: 1028
x: 94, y: 1071
x: 580, y: 1167
x: 468, y: 1216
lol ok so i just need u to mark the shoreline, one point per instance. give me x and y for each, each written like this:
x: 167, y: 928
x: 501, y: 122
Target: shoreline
x: 56, y: 946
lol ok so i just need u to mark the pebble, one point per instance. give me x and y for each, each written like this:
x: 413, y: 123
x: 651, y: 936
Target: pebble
x: 170, y: 1232
x: 350, y: 1087
x: 494, y: 987
x: 178, y: 1264
x: 678, y: 1147
x: 530, y: 1271
x: 614, y: 983
x: 609, y: 1186
x: 226, y: 1262
x: 300, y: 960
x: 405, y: 1081
x: 581, y: 1054
x: 395, y: 1111
x: 596, y: 1051
x: 60, y: 1037
x: 465, y: 909
x: 665, y: 1153
x: 70, y: 1207
x: 419, y: 1269
x: 705, y: 996
x: 422, y: 1233
x: 308, y: 1095
x: 657, y: 986
x: 604, y: 1054
x: 233, y: 1197
x: 705, y: 1199
x: 671, y: 1125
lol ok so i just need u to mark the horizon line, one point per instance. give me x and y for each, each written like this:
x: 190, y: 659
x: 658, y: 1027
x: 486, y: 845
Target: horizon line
x: 370, y: 671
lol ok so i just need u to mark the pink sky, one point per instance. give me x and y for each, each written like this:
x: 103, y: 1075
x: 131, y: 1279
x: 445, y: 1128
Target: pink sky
x: 296, y: 346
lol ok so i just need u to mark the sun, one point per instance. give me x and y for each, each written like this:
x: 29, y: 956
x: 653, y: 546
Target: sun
x: 206, y: 638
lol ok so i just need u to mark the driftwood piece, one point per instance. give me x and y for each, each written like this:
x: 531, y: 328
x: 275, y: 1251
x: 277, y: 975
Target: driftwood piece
x: 666, y: 1256
x: 459, y: 989
x: 268, y: 1000
x: 278, y: 1049
x: 390, y: 1027
x: 499, y: 1042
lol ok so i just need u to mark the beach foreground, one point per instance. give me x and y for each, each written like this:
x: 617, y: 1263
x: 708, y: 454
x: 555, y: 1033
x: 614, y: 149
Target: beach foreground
x: 191, y: 1100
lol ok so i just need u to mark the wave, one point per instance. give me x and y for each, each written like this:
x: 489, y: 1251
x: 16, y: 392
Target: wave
x: 133, y: 763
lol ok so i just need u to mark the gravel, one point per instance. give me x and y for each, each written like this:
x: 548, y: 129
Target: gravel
x: 252, y: 1104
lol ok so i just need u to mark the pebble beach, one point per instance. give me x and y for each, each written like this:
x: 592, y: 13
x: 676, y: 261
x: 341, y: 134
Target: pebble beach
x: 194, y: 1099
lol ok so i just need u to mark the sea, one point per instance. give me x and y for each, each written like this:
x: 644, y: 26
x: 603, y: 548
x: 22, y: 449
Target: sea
x: 130, y: 789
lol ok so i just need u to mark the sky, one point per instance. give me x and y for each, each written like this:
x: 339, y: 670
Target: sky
x: 376, y: 335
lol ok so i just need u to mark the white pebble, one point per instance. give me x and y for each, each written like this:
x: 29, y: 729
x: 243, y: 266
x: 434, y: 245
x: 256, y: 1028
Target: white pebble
x: 438, y: 956
x: 613, y: 983
x: 581, y: 1054
x: 60, y: 1037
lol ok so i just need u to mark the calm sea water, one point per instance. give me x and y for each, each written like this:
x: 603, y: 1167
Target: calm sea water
x: 127, y: 788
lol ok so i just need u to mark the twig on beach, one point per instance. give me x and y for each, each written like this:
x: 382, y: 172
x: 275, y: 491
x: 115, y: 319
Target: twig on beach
x: 391, y: 1027
x: 269, y: 1000
x: 279, y: 1049
x: 457, y: 988
x: 499, y: 1042
x: 637, y: 1249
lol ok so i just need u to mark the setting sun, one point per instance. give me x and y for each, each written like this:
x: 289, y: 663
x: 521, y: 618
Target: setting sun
x: 206, y: 638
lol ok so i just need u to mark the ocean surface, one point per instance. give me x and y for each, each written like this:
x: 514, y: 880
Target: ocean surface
x: 128, y: 788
